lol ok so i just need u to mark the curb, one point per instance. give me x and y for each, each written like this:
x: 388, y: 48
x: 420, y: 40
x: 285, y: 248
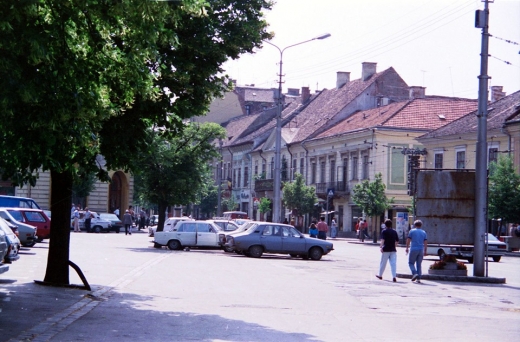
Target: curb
x: 464, y: 279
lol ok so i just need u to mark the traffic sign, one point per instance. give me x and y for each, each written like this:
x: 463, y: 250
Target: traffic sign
x: 330, y: 192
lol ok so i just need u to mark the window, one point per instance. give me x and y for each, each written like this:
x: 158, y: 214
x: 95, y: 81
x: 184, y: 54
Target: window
x: 354, y: 168
x: 322, y: 171
x: 264, y: 169
x: 345, y: 170
x: 332, y: 171
x: 302, y: 163
x: 239, y: 177
x: 461, y: 159
x: 272, y: 167
x: 248, y: 109
x: 365, y: 166
x: 438, y: 160
x: 313, y: 173
x: 256, y: 167
x: 246, y: 176
x: 187, y: 227
x: 492, y: 155
x: 294, y: 170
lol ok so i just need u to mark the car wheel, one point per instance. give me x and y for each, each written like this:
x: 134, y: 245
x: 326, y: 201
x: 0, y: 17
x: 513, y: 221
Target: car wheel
x: 441, y: 254
x: 293, y: 255
x: 228, y: 249
x: 470, y: 260
x: 39, y: 240
x: 156, y: 245
x: 315, y: 253
x: 174, y: 245
x: 496, y: 258
x: 255, y: 251
x: 97, y: 229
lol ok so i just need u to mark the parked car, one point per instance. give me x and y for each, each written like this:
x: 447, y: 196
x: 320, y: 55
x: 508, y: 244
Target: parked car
x: 14, y: 241
x: 267, y: 237
x: 26, y: 232
x: 3, y: 251
x: 225, y: 225
x: 231, y: 215
x: 114, y: 220
x: 154, y: 219
x: 34, y: 217
x: 190, y: 234
x: 170, y: 223
x: 496, y: 249
x: 97, y: 224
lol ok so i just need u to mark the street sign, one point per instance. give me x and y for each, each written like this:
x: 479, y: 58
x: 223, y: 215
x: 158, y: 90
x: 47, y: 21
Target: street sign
x: 330, y: 192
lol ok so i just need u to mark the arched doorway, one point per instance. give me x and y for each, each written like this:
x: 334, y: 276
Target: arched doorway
x: 116, y: 193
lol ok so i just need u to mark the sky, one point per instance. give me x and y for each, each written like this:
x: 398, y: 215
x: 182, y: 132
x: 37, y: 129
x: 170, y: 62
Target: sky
x: 430, y: 43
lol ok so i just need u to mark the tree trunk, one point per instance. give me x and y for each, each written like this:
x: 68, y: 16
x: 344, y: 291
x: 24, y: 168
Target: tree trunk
x: 57, y: 271
x: 162, y: 216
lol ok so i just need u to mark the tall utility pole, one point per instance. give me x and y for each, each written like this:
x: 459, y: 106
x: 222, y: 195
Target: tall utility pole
x: 277, y: 201
x: 219, y: 178
x: 481, y: 21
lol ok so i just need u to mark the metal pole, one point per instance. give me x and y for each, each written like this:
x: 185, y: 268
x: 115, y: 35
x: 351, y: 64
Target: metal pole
x: 481, y: 160
x: 219, y: 178
x: 278, y: 132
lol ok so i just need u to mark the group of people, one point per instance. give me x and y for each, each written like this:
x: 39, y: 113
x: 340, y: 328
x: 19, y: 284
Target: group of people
x: 319, y: 230
x: 75, y: 215
x: 141, y: 220
x: 416, y: 245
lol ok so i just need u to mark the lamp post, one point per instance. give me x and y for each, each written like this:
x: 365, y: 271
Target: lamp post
x: 219, y: 177
x: 278, y: 132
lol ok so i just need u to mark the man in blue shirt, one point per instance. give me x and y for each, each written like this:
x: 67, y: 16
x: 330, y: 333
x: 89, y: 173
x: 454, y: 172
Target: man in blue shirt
x: 419, y: 244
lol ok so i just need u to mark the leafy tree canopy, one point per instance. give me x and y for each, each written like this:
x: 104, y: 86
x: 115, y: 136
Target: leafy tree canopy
x: 504, y: 190
x: 298, y: 196
x: 371, y: 197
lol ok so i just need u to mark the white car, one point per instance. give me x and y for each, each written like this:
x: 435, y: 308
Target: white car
x: 97, y: 224
x: 170, y: 223
x: 191, y: 234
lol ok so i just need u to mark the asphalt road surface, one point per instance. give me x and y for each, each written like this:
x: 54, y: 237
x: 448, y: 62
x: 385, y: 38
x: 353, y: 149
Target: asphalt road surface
x: 144, y: 294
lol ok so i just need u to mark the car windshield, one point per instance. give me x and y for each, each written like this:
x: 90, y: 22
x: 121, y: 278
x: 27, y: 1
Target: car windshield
x: 16, y: 215
x: 109, y: 217
x: 491, y: 237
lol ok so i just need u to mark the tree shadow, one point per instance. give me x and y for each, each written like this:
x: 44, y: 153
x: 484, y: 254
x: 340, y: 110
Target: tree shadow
x: 38, y: 310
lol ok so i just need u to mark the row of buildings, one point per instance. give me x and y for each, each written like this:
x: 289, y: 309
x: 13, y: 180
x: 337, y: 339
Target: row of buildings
x: 339, y: 137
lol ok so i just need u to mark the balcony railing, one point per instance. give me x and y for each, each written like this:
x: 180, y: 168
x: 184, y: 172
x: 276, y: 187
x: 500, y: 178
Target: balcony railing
x: 321, y: 188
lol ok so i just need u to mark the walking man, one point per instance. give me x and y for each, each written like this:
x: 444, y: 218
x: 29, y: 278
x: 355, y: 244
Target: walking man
x: 88, y: 219
x: 388, y: 248
x: 75, y: 215
x: 419, y: 244
x: 127, y: 221
x: 333, y: 228
x: 323, y: 228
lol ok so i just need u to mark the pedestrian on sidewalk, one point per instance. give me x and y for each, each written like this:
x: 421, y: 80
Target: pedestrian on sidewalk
x: 75, y: 215
x: 128, y: 221
x: 333, y: 228
x: 419, y: 244
x: 313, y: 231
x: 362, y: 229
x: 388, y: 248
x: 88, y: 219
x: 323, y: 228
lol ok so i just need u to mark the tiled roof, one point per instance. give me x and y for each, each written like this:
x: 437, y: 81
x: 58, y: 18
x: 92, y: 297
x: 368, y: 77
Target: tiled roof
x: 329, y: 103
x: 423, y: 114
x: 258, y: 95
x: 498, y: 112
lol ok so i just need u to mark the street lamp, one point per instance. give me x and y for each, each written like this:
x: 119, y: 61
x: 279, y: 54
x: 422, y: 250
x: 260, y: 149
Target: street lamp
x: 278, y: 132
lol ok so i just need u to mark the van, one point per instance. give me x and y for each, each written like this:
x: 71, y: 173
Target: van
x: 18, y: 202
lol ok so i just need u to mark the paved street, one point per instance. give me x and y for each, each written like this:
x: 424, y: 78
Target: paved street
x: 145, y: 294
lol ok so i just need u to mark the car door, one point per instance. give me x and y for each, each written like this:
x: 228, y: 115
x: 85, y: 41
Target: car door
x: 206, y: 235
x: 271, y: 238
x: 292, y: 241
x: 186, y: 233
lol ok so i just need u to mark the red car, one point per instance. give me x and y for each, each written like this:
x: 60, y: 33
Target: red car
x: 34, y: 217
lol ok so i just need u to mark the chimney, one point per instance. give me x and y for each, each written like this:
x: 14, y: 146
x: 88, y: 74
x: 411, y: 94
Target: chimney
x: 417, y: 92
x: 306, y: 94
x: 342, y: 78
x: 497, y: 93
x: 368, y: 70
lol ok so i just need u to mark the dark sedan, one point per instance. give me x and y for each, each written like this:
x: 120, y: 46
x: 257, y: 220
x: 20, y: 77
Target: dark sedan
x: 266, y: 237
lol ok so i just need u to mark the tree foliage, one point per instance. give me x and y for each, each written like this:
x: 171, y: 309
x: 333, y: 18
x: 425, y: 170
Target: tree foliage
x: 92, y: 76
x: 173, y: 171
x: 371, y: 198
x: 297, y: 196
x: 504, y: 191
